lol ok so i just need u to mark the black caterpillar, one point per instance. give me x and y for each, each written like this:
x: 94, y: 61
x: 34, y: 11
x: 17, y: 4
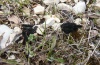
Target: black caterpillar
x: 70, y: 27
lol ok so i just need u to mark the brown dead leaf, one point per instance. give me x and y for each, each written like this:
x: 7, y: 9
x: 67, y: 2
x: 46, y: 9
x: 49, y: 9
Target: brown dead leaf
x: 14, y: 19
x: 92, y: 15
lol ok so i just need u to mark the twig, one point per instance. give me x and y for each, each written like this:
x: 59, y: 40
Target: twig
x: 92, y: 52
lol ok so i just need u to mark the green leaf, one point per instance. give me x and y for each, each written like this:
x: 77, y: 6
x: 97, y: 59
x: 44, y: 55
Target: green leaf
x: 53, y: 44
x: 31, y: 38
x: 61, y: 60
x: 12, y: 62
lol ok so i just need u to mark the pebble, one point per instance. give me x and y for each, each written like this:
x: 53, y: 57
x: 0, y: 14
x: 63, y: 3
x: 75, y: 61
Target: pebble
x: 63, y: 0
x: 56, y: 26
x: 78, y: 21
x: 11, y: 57
x: 50, y: 21
x: 51, y: 2
x: 63, y: 6
x: 40, y: 30
x: 79, y: 7
x: 5, y: 31
x: 39, y: 9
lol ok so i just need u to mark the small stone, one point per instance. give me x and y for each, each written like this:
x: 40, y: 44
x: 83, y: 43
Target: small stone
x: 40, y: 30
x: 51, y: 2
x: 56, y: 18
x: 18, y: 60
x: 5, y: 31
x: 11, y: 57
x: 78, y: 21
x: 56, y: 26
x: 79, y: 7
x: 50, y: 21
x: 11, y: 38
x: 63, y: 6
x: 14, y: 35
x: 62, y: 64
x: 76, y: 1
x: 63, y: 0
x: 85, y: 21
x: 47, y: 17
x: 17, y: 30
x: 39, y: 9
